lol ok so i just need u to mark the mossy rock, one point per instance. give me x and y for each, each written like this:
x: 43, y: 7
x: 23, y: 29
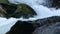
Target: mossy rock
x: 3, y: 13
x: 17, y: 11
x: 10, y: 9
x: 24, y: 10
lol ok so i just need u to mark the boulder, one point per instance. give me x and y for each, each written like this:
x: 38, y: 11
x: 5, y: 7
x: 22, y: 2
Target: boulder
x: 24, y: 11
x: 3, y: 13
x: 22, y: 27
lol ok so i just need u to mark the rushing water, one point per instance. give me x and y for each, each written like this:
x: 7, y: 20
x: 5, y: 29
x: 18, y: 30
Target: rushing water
x: 37, y: 5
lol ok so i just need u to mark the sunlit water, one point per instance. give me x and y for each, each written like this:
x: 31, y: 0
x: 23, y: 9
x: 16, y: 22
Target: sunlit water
x: 42, y: 12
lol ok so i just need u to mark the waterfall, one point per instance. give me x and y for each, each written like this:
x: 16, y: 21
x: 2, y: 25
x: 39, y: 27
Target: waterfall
x: 42, y: 12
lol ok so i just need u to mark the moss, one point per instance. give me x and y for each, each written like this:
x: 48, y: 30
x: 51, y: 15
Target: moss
x: 2, y: 12
x: 25, y: 10
x: 10, y: 9
x: 18, y: 10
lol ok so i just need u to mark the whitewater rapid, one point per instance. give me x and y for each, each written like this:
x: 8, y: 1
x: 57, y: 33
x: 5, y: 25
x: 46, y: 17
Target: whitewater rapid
x: 42, y: 12
x: 37, y: 5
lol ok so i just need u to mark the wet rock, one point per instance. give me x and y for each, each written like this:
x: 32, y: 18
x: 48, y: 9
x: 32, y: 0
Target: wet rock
x: 3, y: 13
x: 48, y: 20
x: 24, y: 10
x: 52, y: 29
x: 18, y: 11
x: 10, y: 9
x: 46, y: 3
x: 22, y: 27
x: 56, y: 3
x: 57, y: 31
x: 49, y: 25
x: 50, y: 3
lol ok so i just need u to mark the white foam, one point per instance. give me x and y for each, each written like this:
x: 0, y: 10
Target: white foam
x: 42, y: 12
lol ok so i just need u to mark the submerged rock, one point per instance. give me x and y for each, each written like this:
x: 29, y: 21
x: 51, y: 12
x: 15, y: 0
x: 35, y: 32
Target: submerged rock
x: 24, y: 11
